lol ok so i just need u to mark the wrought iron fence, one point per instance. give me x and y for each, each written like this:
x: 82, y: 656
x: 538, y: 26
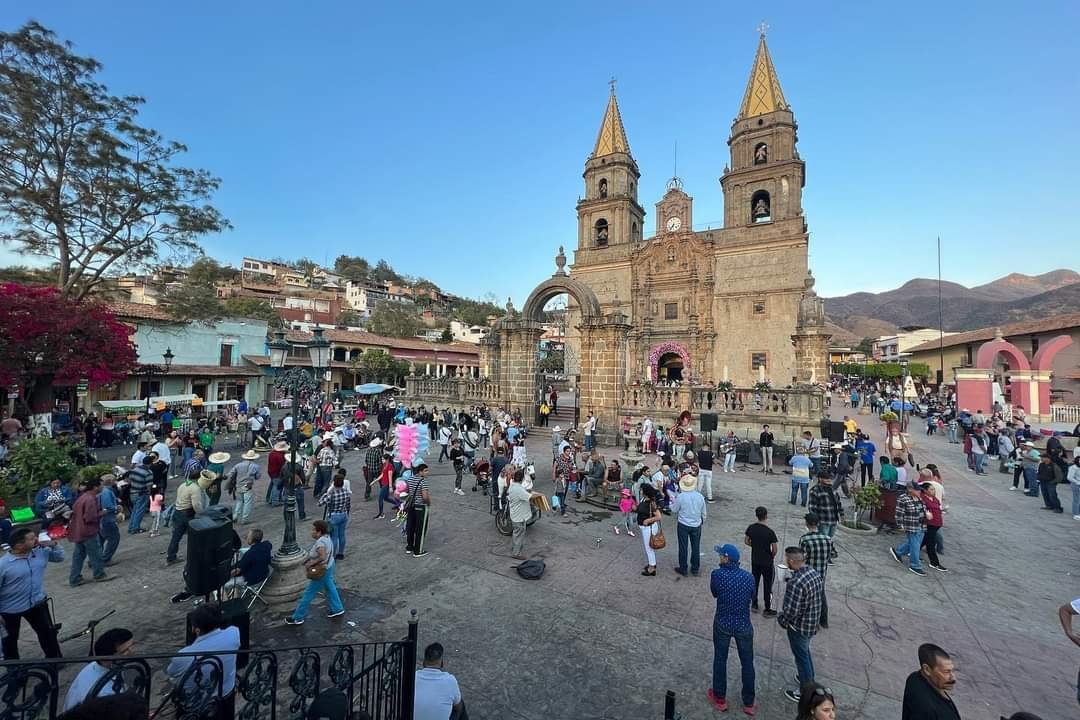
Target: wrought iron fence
x: 377, y: 679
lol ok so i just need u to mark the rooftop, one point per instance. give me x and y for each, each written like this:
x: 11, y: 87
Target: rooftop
x: 1028, y: 327
x: 138, y: 311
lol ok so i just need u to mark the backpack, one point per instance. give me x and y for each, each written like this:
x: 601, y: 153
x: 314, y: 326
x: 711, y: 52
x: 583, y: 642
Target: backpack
x: 531, y: 569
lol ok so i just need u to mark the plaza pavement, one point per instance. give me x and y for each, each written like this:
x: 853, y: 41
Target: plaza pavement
x: 595, y: 640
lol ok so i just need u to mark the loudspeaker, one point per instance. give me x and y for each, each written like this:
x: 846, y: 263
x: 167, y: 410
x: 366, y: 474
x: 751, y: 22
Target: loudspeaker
x: 836, y: 431
x: 236, y: 615
x: 708, y: 422
x: 209, y: 551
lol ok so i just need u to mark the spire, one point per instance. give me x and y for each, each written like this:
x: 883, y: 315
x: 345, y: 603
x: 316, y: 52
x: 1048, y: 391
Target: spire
x: 763, y: 93
x: 612, y: 137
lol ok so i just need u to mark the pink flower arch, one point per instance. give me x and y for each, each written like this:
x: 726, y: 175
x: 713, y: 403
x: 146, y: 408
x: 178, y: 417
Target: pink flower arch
x: 663, y: 349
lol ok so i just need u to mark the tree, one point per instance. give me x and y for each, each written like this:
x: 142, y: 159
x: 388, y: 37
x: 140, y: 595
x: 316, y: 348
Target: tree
x: 474, y: 312
x: 352, y: 267
x: 306, y: 266
x: 35, y: 462
x: 81, y: 182
x: 866, y: 346
x: 25, y: 275
x: 350, y: 318
x: 208, y: 271
x: 394, y: 320
x: 446, y: 336
x: 195, y: 303
x: 384, y: 273
x: 378, y: 365
x: 253, y: 308
x: 48, y: 340
x: 553, y: 362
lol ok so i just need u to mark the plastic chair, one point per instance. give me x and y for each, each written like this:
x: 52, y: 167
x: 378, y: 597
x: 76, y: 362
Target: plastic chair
x: 255, y: 590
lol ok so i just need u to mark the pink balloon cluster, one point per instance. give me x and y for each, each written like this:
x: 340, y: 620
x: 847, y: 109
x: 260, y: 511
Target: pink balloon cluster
x: 408, y: 442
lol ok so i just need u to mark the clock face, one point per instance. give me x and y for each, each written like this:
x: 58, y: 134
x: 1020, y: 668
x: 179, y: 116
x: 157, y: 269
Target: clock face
x: 674, y: 224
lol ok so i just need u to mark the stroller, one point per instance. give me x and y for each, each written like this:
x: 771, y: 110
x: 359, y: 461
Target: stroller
x: 482, y: 474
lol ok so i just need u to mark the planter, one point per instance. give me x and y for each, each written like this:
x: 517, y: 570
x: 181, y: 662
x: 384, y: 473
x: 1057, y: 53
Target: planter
x: 862, y: 529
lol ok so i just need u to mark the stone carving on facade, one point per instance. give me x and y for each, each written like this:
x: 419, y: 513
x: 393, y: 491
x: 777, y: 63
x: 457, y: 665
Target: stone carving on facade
x: 811, y: 307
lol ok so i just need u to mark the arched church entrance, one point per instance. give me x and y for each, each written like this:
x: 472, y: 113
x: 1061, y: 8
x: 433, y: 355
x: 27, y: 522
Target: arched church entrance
x: 670, y: 367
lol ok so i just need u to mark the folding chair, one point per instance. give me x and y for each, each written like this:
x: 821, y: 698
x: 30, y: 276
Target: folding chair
x: 254, y: 590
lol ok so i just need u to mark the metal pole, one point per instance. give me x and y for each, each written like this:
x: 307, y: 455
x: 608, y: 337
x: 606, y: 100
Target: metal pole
x: 289, y: 545
x: 669, y: 705
x: 941, y: 322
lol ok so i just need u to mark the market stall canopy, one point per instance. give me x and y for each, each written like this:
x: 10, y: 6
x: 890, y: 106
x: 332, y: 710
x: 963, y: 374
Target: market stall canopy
x: 219, y: 403
x: 373, y: 388
x: 141, y: 404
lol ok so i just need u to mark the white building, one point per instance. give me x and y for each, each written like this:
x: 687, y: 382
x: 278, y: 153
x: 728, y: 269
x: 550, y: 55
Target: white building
x: 468, y: 333
x: 356, y: 297
x: 889, y: 348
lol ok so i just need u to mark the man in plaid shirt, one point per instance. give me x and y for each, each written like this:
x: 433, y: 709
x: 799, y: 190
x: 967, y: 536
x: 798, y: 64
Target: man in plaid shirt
x: 338, y: 503
x: 910, y: 517
x: 825, y: 503
x: 373, y: 462
x: 817, y: 547
x: 801, y: 614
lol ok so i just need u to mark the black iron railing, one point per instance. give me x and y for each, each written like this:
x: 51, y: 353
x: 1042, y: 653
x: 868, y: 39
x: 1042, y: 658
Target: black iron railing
x: 376, y: 678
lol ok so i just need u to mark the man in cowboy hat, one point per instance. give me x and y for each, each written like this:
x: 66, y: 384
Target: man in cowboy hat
x: 241, y: 483
x: 216, y: 466
x: 189, y: 502
x: 274, y: 462
x: 690, y: 507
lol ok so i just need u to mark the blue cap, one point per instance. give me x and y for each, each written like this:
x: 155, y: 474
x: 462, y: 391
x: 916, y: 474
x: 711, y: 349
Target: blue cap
x: 730, y: 550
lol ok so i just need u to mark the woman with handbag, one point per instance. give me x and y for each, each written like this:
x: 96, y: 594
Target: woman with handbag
x: 648, y: 520
x: 319, y: 567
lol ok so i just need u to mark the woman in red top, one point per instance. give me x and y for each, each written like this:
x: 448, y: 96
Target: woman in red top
x: 385, y: 476
x: 934, y: 522
x: 274, y: 462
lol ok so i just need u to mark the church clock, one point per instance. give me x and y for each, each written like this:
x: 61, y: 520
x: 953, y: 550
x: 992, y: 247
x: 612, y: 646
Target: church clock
x: 674, y: 223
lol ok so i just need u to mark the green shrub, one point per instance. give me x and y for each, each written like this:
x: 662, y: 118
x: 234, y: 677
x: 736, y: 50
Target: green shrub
x: 94, y: 471
x: 35, y: 462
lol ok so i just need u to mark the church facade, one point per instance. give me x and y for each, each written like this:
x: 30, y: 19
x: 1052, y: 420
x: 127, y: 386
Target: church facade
x: 705, y: 305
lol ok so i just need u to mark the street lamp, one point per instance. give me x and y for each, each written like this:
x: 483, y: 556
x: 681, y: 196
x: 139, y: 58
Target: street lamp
x: 152, y: 370
x: 289, y: 579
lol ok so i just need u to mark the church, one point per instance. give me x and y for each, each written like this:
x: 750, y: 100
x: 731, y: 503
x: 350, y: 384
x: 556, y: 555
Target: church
x: 713, y: 305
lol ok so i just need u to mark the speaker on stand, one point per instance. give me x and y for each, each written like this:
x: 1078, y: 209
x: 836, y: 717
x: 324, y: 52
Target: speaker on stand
x: 708, y: 427
x: 210, y: 549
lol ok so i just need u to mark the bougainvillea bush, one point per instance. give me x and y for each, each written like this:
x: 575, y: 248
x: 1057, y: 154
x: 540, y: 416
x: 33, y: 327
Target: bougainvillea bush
x: 48, y: 341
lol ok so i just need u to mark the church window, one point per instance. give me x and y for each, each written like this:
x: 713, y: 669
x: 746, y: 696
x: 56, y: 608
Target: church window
x: 759, y: 360
x: 671, y: 311
x: 760, y: 208
x: 601, y: 229
x: 759, y: 307
x: 761, y: 154
x: 603, y: 188
x: 634, y: 231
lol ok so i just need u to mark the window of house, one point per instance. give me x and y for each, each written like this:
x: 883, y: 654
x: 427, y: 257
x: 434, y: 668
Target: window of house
x: 339, y: 354
x: 231, y: 390
x: 759, y: 307
x: 759, y: 360
x: 671, y: 311
x: 225, y: 359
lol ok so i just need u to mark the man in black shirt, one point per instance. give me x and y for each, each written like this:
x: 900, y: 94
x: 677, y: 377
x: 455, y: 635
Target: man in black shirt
x: 705, y: 463
x: 765, y: 440
x: 762, y: 541
x: 926, y: 693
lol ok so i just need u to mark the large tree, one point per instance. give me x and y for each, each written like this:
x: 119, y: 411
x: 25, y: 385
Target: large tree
x: 81, y: 182
x: 394, y: 320
x: 378, y: 366
x: 48, y: 340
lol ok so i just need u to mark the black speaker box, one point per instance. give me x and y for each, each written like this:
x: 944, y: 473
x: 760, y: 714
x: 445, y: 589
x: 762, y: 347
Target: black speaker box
x: 236, y: 615
x: 836, y: 431
x: 708, y: 422
x: 209, y: 551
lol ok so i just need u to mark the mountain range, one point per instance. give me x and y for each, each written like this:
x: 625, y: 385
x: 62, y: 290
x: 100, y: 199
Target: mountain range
x: 1008, y: 299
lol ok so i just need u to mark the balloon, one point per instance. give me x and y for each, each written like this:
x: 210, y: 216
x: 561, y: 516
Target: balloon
x: 401, y: 486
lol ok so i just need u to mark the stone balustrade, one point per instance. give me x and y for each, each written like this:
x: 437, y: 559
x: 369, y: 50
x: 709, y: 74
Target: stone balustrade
x: 450, y: 390
x: 791, y: 406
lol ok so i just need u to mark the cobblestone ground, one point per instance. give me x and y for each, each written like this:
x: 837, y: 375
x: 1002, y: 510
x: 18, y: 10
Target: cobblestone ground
x: 594, y: 639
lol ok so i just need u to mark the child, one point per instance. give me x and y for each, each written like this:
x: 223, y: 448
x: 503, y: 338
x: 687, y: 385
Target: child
x: 157, y: 500
x: 626, y: 507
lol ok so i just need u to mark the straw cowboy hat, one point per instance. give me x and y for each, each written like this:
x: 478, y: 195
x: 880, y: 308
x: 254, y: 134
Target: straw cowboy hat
x: 375, y: 443
x: 219, y: 457
x: 688, y: 482
x: 207, y: 478
x: 281, y: 446
x: 556, y: 429
x: 250, y: 455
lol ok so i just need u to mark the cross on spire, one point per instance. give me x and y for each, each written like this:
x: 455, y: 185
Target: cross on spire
x: 763, y: 28
x: 611, y: 84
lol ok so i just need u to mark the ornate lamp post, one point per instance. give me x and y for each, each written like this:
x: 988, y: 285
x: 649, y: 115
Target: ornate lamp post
x: 288, y: 579
x: 152, y: 370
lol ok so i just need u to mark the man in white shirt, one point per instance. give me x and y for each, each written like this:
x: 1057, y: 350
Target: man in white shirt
x: 163, y: 452
x: 115, y: 641
x: 255, y: 425
x: 438, y: 696
x: 590, y: 426
x: 287, y: 423
x: 138, y: 455
x: 207, y: 622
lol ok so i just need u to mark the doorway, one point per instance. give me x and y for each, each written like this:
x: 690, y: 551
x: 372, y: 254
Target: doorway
x: 670, y: 367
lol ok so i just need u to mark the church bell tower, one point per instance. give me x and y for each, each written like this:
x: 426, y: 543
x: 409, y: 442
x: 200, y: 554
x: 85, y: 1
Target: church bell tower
x: 763, y: 183
x: 609, y: 215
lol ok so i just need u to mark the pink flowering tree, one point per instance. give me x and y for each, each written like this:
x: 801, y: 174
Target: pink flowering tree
x: 49, y: 341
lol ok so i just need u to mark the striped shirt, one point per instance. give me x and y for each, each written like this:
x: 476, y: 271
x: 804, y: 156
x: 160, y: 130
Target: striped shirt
x: 417, y: 485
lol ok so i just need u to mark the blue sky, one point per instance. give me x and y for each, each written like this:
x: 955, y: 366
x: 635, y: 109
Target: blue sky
x: 449, y: 138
